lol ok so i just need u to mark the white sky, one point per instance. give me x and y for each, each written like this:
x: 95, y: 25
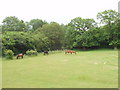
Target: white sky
x: 61, y: 11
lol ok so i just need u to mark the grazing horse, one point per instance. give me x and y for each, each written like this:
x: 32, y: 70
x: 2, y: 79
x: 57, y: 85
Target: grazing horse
x: 46, y: 53
x: 73, y: 52
x: 20, y: 55
x: 69, y: 51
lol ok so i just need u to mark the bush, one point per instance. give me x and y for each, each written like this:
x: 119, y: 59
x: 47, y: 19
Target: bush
x: 31, y: 52
x: 9, y: 54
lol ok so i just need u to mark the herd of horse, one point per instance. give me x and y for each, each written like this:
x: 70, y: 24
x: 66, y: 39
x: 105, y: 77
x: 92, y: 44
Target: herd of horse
x: 47, y: 53
x: 70, y: 51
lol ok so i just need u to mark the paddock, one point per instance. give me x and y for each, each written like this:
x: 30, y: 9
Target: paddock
x: 86, y: 69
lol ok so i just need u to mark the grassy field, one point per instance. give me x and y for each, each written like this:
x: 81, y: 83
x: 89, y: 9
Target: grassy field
x: 86, y: 69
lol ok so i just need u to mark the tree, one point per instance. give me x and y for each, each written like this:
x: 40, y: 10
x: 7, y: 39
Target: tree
x: 40, y: 42
x: 55, y: 34
x: 114, y: 38
x: 88, y: 39
x: 34, y: 24
x: 69, y: 37
x: 110, y: 18
x: 82, y: 24
x: 18, y: 42
x: 76, y: 28
x: 12, y: 23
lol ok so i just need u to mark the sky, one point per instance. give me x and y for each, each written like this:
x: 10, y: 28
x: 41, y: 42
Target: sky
x: 60, y: 11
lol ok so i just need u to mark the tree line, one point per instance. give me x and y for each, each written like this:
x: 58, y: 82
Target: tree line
x: 79, y: 33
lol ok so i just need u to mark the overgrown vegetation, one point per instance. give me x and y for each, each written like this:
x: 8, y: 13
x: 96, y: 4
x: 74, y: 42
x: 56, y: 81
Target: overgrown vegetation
x: 9, y: 54
x: 20, y: 36
x: 31, y: 52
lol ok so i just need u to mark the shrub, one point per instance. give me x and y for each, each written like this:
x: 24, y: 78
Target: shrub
x: 9, y: 54
x: 31, y: 52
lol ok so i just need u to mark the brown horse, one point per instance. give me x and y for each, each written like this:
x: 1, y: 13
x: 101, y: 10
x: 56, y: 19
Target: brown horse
x: 19, y: 55
x: 69, y: 51
x: 73, y: 52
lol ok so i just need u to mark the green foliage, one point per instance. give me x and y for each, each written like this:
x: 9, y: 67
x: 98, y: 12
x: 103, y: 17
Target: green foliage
x: 81, y: 24
x: 12, y: 23
x: 115, y: 34
x: 31, y: 52
x: 55, y: 34
x: 40, y: 41
x: 87, y: 39
x: 19, y: 42
x: 76, y: 33
x: 79, y: 33
x: 108, y: 16
x: 34, y: 24
x: 70, y: 37
x: 9, y: 54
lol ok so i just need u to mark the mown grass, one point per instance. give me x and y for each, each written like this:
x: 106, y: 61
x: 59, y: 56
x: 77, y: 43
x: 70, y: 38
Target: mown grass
x: 86, y: 69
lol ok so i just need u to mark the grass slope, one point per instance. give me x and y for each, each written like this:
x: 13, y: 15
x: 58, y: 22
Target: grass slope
x: 86, y: 69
